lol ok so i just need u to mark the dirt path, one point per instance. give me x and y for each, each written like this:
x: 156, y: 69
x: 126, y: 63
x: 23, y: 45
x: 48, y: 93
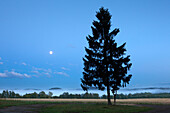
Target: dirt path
x: 24, y: 108
x: 158, y: 108
x: 36, y: 107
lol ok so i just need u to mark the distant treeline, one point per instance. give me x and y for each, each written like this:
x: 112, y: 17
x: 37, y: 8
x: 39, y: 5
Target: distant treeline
x: 42, y: 94
x: 143, y: 95
x: 12, y: 94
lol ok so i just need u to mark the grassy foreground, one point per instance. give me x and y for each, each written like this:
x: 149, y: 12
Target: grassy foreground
x: 74, y: 107
x: 92, y: 108
x: 8, y: 103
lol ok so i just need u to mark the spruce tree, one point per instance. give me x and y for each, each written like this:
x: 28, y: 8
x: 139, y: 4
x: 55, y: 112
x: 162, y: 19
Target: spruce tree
x: 105, y: 64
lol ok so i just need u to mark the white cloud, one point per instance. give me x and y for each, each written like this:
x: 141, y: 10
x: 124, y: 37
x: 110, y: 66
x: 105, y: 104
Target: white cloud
x: 62, y: 73
x: 37, y: 72
x: 14, y: 74
x: 65, y: 68
x: 1, y: 62
x: 48, y: 70
x: 24, y: 64
x: 42, y: 71
x: 26, y: 75
x: 37, y: 69
x: 3, y: 75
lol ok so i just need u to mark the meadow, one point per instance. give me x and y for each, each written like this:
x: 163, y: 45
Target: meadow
x: 82, y: 105
x: 125, y: 101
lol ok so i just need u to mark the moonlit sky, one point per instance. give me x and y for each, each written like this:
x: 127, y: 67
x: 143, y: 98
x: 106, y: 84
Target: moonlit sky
x: 30, y: 29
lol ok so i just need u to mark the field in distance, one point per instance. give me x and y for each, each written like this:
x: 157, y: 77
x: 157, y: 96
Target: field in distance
x: 132, y: 101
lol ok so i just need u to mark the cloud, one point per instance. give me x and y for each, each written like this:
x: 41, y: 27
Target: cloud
x: 1, y: 62
x: 62, y: 73
x: 48, y: 70
x: 41, y: 71
x: 3, y: 75
x: 37, y: 72
x: 65, y: 68
x: 0, y: 58
x: 14, y: 74
x: 24, y: 64
x: 38, y: 69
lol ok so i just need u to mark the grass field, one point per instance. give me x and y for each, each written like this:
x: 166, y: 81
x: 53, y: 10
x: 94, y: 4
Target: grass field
x: 8, y: 103
x: 42, y: 106
x: 20, y: 105
x: 134, y: 101
x: 92, y: 108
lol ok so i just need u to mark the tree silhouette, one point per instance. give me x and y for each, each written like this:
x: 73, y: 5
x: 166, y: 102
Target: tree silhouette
x: 105, y: 64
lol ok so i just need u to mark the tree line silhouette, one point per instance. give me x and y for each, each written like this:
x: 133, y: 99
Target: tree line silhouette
x: 42, y: 94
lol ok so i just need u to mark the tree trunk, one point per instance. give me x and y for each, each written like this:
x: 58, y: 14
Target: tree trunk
x: 115, y: 98
x: 108, y: 96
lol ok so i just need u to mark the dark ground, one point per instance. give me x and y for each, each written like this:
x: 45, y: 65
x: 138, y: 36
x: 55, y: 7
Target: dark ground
x: 158, y: 108
x: 34, y: 108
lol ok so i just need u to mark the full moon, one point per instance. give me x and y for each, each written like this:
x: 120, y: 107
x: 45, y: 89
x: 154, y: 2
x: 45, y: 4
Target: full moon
x: 51, y: 52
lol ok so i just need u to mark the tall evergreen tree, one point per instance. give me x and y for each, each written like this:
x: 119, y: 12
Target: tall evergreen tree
x: 105, y: 64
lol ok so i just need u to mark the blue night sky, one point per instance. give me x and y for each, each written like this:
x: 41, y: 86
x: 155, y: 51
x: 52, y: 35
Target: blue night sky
x: 29, y: 29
